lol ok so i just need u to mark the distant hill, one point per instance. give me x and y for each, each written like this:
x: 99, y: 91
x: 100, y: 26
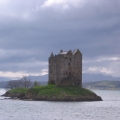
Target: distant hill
x: 88, y: 80
x: 98, y: 77
x: 103, y: 85
x: 85, y: 77
x: 4, y: 79
x: 42, y: 79
x: 3, y: 84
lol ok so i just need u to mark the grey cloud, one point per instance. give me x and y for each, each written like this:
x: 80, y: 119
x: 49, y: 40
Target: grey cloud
x: 28, y: 32
x: 106, y: 65
x: 27, y: 66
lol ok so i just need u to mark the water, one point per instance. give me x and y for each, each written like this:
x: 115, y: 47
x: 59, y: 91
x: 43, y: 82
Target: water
x: 109, y: 109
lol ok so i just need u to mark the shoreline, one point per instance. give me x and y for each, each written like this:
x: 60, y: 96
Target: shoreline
x: 90, y: 98
x: 51, y: 92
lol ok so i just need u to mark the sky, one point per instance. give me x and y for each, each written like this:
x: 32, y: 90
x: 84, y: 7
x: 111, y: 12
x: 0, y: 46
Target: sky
x: 30, y: 30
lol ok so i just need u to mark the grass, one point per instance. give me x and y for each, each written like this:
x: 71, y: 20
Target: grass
x: 19, y: 90
x: 50, y: 90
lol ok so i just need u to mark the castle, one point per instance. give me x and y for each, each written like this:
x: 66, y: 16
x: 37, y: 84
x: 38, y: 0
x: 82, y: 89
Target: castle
x: 65, y: 69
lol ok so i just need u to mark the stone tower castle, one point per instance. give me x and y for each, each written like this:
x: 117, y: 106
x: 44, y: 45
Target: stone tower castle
x: 65, y: 69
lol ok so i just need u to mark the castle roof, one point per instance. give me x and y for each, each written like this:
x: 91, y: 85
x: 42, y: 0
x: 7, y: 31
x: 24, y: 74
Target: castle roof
x: 64, y: 53
x: 75, y: 51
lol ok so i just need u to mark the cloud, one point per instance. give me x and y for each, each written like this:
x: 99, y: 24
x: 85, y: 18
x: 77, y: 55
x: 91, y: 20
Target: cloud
x: 18, y: 62
x: 106, y: 65
x: 100, y: 70
x: 44, y: 72
x: 19, y: 74
x: 30, y: 66
x: 4, y: 53
x: 102, y: 59
x: 63, y: 3
x: 10, y: 74
x: 31, y: 30
x: 19, y: 10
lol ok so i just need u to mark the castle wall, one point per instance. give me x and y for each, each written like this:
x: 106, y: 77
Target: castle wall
x: 63, y: 66
x: 78, y: 68
x: 52, y: 72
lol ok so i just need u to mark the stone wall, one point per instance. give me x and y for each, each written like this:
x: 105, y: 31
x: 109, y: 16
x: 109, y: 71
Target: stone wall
x: 66, y: 66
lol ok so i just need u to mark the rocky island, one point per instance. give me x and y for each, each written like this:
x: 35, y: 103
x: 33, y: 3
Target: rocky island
x: 64, y: 83
x: 53, y: 93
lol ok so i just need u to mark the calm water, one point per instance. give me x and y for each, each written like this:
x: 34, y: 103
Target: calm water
x: 109, y: 109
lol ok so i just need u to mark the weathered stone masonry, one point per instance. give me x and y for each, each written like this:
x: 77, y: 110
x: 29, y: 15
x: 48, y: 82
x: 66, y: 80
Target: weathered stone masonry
x: 65, y: 69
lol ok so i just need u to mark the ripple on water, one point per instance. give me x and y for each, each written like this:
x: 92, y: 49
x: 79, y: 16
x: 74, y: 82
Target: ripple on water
x: 32, y: 110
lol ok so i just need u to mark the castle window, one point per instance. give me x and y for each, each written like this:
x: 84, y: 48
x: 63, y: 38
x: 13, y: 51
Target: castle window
x: 69, y: 63
x: 70, y: 59
x: 66, y: 57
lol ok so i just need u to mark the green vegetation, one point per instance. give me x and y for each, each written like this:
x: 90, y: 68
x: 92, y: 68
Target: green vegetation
x: 50, y: 90
x: 52, y: 93
x: 18, y: 90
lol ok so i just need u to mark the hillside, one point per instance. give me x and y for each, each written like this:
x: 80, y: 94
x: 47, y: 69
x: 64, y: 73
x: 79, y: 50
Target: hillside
x: 104, y: 85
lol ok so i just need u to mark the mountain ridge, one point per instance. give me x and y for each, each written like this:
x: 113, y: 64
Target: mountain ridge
x: 44, y: 79
x: 103, y: 85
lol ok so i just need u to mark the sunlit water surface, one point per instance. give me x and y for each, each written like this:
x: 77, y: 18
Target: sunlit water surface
x: 108, y: 109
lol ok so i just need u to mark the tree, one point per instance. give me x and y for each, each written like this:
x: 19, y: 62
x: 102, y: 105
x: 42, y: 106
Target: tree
x: 23, y: 82
x: 36, y: 83
x: 26, y: 82
x: 13, y: 84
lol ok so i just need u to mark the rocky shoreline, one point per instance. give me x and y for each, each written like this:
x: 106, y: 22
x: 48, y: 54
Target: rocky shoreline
x: 35, y: 97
